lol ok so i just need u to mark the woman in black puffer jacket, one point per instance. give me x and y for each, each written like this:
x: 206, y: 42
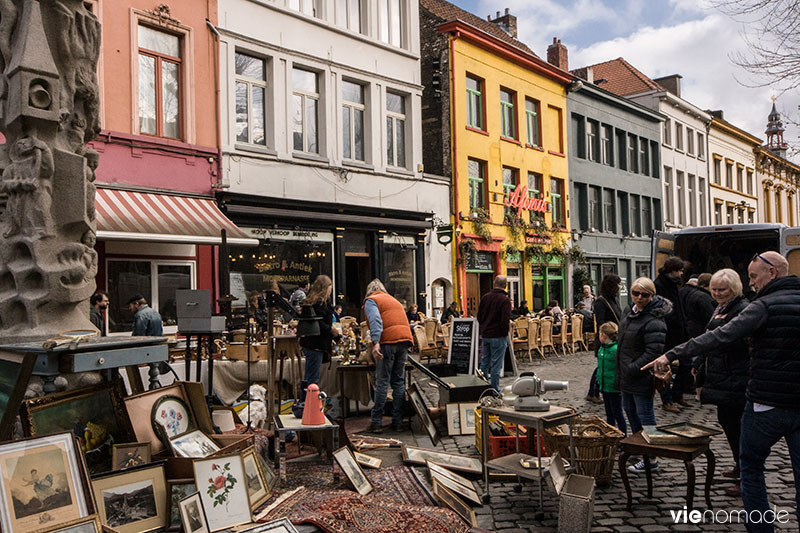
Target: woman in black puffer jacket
x: 722, y: 374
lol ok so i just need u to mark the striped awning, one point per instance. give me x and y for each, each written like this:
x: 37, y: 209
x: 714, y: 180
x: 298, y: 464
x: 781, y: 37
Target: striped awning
x: 152, y: 217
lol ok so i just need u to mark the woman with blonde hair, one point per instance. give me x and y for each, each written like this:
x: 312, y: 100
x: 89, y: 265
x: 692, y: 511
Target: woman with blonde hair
x: 318, y: 347
x: 641, y: 337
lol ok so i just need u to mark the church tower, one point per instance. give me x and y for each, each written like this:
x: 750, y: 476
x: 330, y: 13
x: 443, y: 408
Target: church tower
x: 775, y: 142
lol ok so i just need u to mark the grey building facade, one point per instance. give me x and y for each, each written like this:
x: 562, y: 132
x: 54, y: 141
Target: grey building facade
x: 614, y: 171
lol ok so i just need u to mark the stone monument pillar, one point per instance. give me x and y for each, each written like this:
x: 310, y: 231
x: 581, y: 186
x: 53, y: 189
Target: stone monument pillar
x: 48, y: 112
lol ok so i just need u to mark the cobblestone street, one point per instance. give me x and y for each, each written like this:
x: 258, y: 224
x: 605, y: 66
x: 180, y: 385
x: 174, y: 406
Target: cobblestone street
x: 512, y: 512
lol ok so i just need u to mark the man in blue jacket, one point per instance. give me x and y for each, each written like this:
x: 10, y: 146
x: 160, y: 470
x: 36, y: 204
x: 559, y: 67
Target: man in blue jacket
x: 772, y: 412
x: 146, y: 320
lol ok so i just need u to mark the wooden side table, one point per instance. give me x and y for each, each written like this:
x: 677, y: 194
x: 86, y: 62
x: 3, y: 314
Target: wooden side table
x: 287, y: 423
x: 636, y: 445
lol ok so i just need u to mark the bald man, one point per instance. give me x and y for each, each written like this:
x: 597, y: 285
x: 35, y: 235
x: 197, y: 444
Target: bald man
x: 772, y: 411
x: 494, y: 317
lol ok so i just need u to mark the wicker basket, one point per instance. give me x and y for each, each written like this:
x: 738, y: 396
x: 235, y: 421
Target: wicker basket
x: 595, y: 443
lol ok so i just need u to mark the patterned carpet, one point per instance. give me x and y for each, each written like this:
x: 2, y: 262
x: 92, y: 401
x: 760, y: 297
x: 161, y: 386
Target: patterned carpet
x: 399, y: 503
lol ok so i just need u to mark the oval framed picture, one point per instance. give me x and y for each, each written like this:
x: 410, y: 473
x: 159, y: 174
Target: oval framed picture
x: 171, y: 417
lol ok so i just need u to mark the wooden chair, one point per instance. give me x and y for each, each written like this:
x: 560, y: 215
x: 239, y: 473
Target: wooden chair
x: 560, y: 339
x: 422, y: 316
x: 426, y: 349
x: 444, y: 334
x: 534, y: 338
x: 430, y: 328
x: 521, y: 333
x: 576, y: 335
x: 546, y: 335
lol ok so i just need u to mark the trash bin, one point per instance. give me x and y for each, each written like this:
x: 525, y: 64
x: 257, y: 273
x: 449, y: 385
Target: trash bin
x: 576, y: 498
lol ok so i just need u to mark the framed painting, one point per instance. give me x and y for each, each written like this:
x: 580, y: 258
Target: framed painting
x: 458, y: 484
x: 269, y: 475
x: 170, y: 417
x: 89, y: 524
x: 133, y: 501
x: 177, y: 490
x: 367, y: 460
x: 281, y: 525
x: 451, y: 500
x: 223, y: 490
x: 192, y: 515
x: 43, y: 483
x: 467, y: 417
x: 453, y: 419
x: 15, y: 373
x: 96, y: 415
x: 462, y: 463
x: 194, y: 444
x: 140, y: 411
x: 346, y: 461
x: 257, y: 487
x: 130, y: 454
x: 422, y: 413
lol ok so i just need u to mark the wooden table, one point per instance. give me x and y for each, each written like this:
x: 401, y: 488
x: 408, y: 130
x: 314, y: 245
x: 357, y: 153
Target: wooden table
x: 289, y: 423
x: 636, y: 445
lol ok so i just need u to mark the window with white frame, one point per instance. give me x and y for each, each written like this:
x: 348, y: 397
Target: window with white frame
x: 307, y: 7
x: 591, y: 140
x: 476, y: 170
x: 395, y: 130
x: 647, y: 221
x: 353, y: 110
x: 532, y: 118
x: 644, y: 156
x: 535, y: 190
x: 668, y: 132
x: 701, y: 195
x: 679, y: 192
x: 609, y: 212
x: 305, y: 111
x: 510, y: 179
x: 717, y: 170
x: 690, y: 189
x: 634, y: 216
x: 632, y: 167
x: 595, y: 223
x: 474, y: 102
x: 701, y: 146
x: 159, y: 83
x: 689, y: 141
x: 251, y: 90
x: 668, y: 194
x: 717, y: 213
x: 606, y: 145
x: 508, y: 123
x: 348, y: 14
x: 390, y: 13
x: 749, y: 181
x: 157, y: 281
x: 679, y: 136
x: 739, y: 178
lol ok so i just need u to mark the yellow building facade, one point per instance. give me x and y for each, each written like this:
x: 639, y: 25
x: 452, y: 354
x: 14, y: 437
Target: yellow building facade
x: 510, y: 175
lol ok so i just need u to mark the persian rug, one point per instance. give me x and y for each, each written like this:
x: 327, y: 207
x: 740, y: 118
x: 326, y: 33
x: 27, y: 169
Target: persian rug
x: 340, y: 511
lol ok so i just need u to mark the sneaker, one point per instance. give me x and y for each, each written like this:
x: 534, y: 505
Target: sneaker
x: 683, y: 403
x: 671, y: 407
x: 638, y: 468
x: 594, y: 399
x: 375, y: 429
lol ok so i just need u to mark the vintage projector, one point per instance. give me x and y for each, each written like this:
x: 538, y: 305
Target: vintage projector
x: 526, y: 392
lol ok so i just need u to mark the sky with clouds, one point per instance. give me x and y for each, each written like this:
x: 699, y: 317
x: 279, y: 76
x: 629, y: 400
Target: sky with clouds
x: 659, y: 37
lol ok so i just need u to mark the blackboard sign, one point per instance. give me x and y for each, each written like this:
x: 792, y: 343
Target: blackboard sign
x: 484, y: 262
x: 463, y: 345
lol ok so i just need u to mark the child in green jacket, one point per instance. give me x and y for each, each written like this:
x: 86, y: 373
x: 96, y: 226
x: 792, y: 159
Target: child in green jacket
x: 607, y: 373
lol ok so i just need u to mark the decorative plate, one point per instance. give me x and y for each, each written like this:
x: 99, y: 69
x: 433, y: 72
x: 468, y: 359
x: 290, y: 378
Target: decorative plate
x: 171, y: 416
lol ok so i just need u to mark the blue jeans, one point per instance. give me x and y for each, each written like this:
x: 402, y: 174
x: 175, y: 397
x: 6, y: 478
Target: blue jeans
x: 313, y: 365
x: 760, y: 431
x: 639, y: 408
x: 494, y: 350
x: 391, y: 370
x: 614, y: 416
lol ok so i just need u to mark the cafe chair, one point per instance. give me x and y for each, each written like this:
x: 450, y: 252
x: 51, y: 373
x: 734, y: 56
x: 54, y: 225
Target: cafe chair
x: 426, y: 349
x: 430, y: 327
x: 444, y: 335
x: 520, y: 327
x: 560, y: 339
x: 546, y: 336
x: 576, y: 335
x: 534, y: 340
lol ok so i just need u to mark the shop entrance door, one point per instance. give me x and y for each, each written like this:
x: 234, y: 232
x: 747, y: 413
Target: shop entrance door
x: 477, y: 285
x: 358, y: 273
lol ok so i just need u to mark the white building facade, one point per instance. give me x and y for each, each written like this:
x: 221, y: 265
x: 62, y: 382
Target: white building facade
x: 321, y: 145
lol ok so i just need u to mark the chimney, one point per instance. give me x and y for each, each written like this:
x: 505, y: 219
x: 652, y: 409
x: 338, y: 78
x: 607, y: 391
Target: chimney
x: 557, y: 55
x: 671, y: 83
x: 508, y: 23
x: 717, y: 113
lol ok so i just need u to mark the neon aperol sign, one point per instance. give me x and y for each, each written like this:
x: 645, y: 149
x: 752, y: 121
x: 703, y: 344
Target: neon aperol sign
x: 519, y: 199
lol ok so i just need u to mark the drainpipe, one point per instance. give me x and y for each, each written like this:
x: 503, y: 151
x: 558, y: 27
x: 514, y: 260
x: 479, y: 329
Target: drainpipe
x: 458, y: 273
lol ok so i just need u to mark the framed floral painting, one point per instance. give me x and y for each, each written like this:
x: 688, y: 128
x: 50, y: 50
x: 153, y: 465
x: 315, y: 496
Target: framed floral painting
x: 222, y: 484
x: 171, y: 416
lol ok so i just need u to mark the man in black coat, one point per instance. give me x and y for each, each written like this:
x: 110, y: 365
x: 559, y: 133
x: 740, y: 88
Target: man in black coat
x: 667, y: 283
x: 698, y: 305
x: 772, y: 412
x: 494, y: 319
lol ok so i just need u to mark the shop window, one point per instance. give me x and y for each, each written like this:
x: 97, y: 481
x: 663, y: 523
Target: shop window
x: 353, y: 110
x: 474, y: 102
x: 532, y: 120
x: 159, y: 83
x: 510, y: 178
x: 251, y: 90
x: 390, y: 13
x: 399, y: 257
x: 558, y: 197
x: 348, y: 15
x: 395, y: 130
x: 508, y: 119
x: 305, y: 111
x: 476, y: 170
x: 157, y: 281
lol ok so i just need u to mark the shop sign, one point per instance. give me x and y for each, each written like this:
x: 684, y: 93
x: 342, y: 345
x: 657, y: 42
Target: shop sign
x: 519, y: 199
x: 287, y: 234
x: 484, y: 262
x: 538, y: 239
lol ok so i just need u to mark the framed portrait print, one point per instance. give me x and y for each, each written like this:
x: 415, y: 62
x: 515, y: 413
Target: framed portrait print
x: 453, y: 419
x: 133, y: 501
x: 42, y: 483
x: 346, y: 461
x: 130, y: 454
x: 462, y: 463
x: 90, y: 524
x: 422, y: 413
x: 451, y: 500
x: 458, y: 484
x: 367, y: 460
x: 257, y: 487
x: 194, y: 444
x: 467, y: 417
x: 221, y: 482
x: 96, y: 415
x: 177, y: 490
x: 192, y: 515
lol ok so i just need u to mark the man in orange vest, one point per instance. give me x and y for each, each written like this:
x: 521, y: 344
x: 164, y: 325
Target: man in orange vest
x: 391, y: 337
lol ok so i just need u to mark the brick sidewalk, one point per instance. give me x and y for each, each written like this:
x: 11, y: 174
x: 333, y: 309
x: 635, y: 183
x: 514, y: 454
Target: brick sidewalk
x: 510, y: 511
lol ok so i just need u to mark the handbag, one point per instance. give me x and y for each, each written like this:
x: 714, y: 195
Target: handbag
x: 661, y: 380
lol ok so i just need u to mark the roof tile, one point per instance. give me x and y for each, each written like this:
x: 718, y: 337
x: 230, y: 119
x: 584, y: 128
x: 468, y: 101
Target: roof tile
x: 623, y: 78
